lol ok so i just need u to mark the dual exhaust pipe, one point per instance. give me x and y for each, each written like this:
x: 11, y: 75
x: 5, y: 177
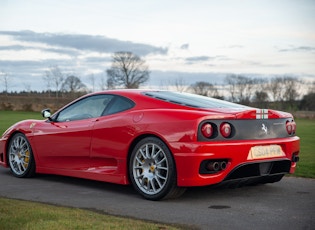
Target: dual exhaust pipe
x: 295, y: 158
x: 216, y: 166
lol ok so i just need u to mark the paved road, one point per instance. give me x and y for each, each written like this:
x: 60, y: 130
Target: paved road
x: 288, y: 204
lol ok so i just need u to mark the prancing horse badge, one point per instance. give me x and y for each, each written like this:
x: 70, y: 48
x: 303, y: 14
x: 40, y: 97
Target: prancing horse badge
x: 264, y: 128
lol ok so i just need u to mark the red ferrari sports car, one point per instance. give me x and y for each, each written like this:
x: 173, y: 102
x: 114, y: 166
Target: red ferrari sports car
x: 161, y: 142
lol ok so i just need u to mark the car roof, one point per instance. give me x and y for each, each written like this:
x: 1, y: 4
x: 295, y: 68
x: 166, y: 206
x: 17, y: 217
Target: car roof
x: 151, y: 97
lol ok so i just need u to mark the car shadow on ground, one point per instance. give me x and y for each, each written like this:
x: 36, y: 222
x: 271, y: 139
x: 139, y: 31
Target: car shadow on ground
x: 191, y: 193
x: 86, y: 183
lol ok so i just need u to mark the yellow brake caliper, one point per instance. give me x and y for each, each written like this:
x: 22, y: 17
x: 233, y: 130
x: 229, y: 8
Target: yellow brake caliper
x: 26, y: 158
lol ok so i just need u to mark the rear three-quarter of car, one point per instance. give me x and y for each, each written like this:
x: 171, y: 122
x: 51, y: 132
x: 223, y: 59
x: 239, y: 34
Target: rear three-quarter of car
x: 225, y: 142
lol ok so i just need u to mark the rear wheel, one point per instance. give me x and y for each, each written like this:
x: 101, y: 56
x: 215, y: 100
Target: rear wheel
x: 152, y: 170
x: 20, y: 156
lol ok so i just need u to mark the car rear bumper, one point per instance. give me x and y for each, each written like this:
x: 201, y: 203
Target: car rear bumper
x: 192, y: 158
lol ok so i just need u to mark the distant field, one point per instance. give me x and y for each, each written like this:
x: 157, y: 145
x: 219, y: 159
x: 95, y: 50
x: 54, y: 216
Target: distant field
x: 8, y: 118
x: 305, y: 130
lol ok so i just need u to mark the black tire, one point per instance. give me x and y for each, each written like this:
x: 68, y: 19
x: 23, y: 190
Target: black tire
x: 20, y: 156
x: 152, y: 170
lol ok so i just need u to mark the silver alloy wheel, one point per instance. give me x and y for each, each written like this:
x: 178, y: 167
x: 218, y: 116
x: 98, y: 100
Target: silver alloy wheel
x: 150, y: 168
x: 19, y: 155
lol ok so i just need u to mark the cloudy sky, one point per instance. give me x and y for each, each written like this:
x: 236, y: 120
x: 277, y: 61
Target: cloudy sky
x: 178, y: 39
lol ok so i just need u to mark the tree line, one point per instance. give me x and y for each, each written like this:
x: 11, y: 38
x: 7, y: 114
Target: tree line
x: 128, y: 70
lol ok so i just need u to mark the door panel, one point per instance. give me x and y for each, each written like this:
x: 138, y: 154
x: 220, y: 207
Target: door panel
x: 64, y: 144
x: 65, y: 141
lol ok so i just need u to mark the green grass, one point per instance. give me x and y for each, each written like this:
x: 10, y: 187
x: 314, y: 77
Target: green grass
x: 17, y: 214
x: 306, y: 131
x: 8, y: 118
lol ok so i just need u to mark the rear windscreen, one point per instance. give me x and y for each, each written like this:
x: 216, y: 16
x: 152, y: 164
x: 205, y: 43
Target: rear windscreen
x: 191, y: 100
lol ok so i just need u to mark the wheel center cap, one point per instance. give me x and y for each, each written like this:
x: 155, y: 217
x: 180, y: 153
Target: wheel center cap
x: 152, y: 168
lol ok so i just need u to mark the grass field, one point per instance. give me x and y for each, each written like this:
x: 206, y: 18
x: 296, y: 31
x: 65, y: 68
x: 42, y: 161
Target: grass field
x: 8, y: 118
x: 305, y: 130
x: 17, y: 214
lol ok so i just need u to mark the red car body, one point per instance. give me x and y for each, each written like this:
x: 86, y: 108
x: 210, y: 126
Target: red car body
x: 209, y: 144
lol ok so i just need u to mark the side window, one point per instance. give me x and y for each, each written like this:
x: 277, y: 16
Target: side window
x: 119, y: 104
x: 89, y: 107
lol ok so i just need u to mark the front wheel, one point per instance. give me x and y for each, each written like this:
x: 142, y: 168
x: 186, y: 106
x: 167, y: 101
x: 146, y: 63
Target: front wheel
x: 152, y: 170
x: 20, y: 156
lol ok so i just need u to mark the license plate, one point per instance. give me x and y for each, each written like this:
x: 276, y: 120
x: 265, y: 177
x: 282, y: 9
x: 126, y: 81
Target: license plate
x: 269, y: 151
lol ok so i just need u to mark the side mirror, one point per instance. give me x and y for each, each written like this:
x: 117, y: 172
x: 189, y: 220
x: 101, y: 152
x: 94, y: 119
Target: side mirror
x: 46, y: 113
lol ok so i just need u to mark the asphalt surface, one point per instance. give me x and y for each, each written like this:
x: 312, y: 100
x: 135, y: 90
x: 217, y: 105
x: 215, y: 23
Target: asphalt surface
x: 288, y: 204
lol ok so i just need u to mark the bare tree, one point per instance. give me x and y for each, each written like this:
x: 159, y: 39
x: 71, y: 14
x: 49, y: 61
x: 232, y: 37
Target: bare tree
x: 73, y: 84
x: 232, y: 84
x: 27, y: 88
x: 285, y: 91
x: 102, y: 82
x: 180, y: 84
x: 312, y: 87
x: 284, y: 88
x: 291, y: 87
x: 275, y: 88
x: 241, y: 88
x: 245, y: 86
x: 308, y: 102
x: 261, y: 99
x: 47, y: 79
x: 54, y: 73
x: 6, y: 81
x: 127, y: 71
x: 92, y: 79
x: 204, y: 88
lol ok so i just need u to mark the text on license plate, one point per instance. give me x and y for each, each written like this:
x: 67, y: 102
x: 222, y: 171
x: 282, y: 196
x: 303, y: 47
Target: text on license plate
x: 268, y: 151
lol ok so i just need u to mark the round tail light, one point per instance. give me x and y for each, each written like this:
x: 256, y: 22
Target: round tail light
x: 207, y: 130
x: 225, y: 130
x: 291, y: 127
